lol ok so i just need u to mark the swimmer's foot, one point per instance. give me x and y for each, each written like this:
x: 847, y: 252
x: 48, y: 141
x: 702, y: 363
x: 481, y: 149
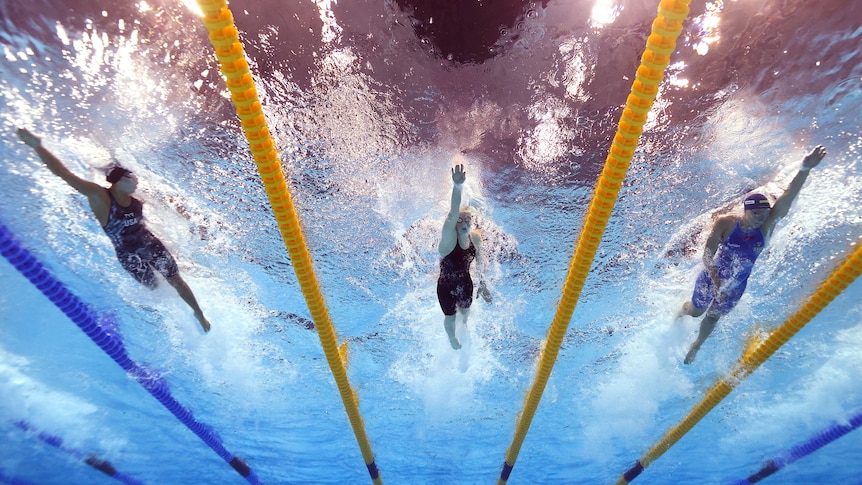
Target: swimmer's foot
x: 454, y: 342
x: 689, y: 358
x: 205, y: 324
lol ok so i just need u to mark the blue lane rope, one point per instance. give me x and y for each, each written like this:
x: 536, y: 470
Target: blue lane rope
x: 100, y: 330
x: 103, y: 466
x: 815, y: 443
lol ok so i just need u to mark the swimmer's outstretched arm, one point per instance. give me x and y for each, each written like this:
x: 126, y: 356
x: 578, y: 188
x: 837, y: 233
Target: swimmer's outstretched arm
x: 97, y: 195
x: 783, y: 203
x: 55, y: 165
x: 449, y: 237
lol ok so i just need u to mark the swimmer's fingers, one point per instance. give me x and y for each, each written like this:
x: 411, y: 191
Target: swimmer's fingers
x: 458, y: 174
x: 814, y: 158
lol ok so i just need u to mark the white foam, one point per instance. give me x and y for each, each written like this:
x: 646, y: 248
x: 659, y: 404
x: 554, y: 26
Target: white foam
x: 445, y: 379
x: 647, y: 377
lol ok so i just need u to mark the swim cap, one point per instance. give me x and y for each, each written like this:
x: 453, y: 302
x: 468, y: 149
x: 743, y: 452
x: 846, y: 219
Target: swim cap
x: 756, y: 201
x: 116, y: 174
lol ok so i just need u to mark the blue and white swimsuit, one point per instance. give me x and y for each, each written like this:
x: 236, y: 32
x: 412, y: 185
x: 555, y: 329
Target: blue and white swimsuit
x: 734, y: 261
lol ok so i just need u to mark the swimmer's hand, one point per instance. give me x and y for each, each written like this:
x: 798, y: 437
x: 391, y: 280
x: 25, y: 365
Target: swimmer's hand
x: 483, y: 292
x: 812, y: 159
x: 458, y: 174
x: 719, y: 295
x: 28, y: 138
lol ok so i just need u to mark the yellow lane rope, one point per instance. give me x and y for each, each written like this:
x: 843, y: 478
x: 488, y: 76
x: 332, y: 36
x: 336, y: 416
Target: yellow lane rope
x: 840, y: 279
x: 224, y: 37
x: 656, y: 57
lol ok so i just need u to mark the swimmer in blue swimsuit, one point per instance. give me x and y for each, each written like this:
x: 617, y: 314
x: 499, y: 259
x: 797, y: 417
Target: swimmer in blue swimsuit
x: 731, y: 250
x: 121, y: 216
x: 458, y: 247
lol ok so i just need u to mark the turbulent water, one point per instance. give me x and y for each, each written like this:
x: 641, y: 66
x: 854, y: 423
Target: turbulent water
x: 368, y: 102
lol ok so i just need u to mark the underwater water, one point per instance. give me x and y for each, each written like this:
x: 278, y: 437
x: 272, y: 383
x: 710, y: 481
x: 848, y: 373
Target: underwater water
x: 368, y: 102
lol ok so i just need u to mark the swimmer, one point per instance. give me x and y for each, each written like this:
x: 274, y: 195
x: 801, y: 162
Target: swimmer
x: 459, y: 246
x: 731, y: 250
x: 121, y: 216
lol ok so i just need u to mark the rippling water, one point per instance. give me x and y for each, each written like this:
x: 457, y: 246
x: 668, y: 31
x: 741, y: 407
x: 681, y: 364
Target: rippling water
x: 368, y: 102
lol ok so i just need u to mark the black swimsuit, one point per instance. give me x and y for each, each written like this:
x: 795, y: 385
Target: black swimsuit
x: 138, y: 250
x: 454, y: 286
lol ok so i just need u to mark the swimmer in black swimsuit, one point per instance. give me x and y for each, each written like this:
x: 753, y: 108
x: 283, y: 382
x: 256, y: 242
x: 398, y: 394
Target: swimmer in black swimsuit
x: 731, y: 250
x: 138, y: 250
x: 459, y: 246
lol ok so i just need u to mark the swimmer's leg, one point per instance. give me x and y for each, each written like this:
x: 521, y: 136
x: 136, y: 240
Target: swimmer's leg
x: 465, y: 313
x: 449, y: 325
x: 186, y: 294
x: 701, y: 297
x: 706, y: 327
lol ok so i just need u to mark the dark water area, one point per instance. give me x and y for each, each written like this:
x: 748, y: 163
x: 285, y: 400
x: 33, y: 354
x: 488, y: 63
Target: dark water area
x: 463, y: 76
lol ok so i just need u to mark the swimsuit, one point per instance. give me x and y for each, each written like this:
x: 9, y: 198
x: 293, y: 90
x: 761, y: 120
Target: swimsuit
x: 734, y: 260
x: 138, y: 250
x: 454, y: 286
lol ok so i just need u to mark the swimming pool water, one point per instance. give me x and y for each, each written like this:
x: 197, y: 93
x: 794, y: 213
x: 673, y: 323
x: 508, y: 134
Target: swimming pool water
x: 367, y: 116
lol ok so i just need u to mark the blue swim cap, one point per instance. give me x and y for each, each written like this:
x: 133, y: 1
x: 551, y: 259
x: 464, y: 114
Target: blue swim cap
x: 756, y: 201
